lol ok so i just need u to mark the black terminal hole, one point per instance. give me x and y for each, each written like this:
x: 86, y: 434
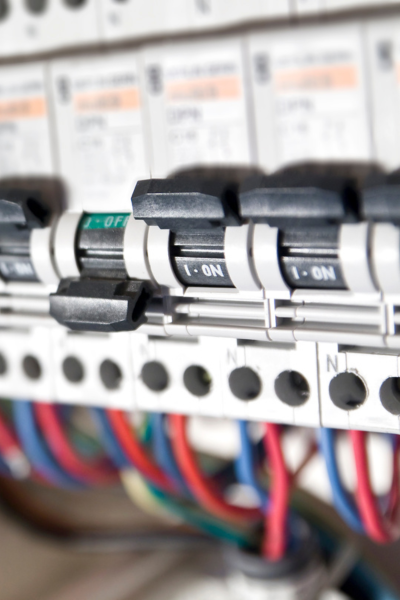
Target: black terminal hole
x: 3, y: 365
x: 74, y: 3
x: 31, y: 367
x: 73, y: 369
x: 4, y: 9
x: 155, y: 376
x: 110, y: 374
x: 347, y: 391
x: 36, y: 6
x: 244, y: 383
x: 292, y: 388
x: 390, y: 395
x: 197, y: 381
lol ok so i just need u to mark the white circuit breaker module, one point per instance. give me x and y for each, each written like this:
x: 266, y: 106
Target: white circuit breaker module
x: 196, y: 96
x: 100, y: 132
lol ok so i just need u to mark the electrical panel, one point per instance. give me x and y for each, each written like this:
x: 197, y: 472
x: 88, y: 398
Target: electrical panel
x: 199, y: 243
x: 230, y: 109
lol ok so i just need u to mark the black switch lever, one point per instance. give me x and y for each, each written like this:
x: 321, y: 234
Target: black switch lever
x: 21, y: 211
x: 100, y: 305
x: 311, y: 194
x: 186, y: 203
x: 23, y: 208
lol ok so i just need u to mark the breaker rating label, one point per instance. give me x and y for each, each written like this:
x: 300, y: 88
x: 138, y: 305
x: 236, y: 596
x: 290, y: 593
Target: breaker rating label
x: 319, y: 99
x: 25, y: 147
x: 198, y: 94
x: 99, y: 119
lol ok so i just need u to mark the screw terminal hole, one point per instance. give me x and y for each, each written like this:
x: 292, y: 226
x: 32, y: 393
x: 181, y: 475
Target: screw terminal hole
x: 155, y: 376
x: 110, y: 374
x: 292, y: 388
x: 197, y: 381
x: 347, y: 391
x: 75, y: 3
x: 3, y: 365
x: 73, y: 369
x: 4, y: 9
x: 36, y: 7
x: 245, y: 384
x: 31, y: 367
x: 389, y: 395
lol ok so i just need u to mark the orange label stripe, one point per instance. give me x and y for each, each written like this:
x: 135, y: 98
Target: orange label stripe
x: 317, y: 78
x: 210, y: 88
x: 108, y: 100
x: 23, y: 108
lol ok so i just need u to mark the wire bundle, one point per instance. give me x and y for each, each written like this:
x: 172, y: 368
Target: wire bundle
x: 363, y: 512
x: 161, y: 471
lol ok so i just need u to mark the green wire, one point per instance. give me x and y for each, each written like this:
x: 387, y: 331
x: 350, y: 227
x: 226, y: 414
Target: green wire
x: 146, y: 430
x: 84, y: 443
x: 200, y: 520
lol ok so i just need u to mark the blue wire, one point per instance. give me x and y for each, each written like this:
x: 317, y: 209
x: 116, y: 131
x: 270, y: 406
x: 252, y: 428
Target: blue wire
x: 111, y: 444
x: 35, y: 448
x: 244, y: 465
x: 341, y: 498
x: 4, y: 469
x: 163, y: 453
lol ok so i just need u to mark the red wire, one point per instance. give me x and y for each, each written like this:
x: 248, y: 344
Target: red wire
x: 201, y: 488
x: 373, y: 521
x: 393, y: 504
x: 274, y: 545
x: 134, y: 450
x: 95, y: 472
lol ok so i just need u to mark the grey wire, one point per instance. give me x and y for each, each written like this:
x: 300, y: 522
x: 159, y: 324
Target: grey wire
x: 144, y: 542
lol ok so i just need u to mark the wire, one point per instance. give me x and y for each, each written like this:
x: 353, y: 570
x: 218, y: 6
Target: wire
x: 111, y: 445
x: 244, y: 465
x: 5, y: 469
x: 275, y: 540
x: 393, y: 499
x: 35, y: 448
x: 163, y: 453
x: 201, y: 488
x: 342, y: 500
x: 38, y: 520
x: 203, y: 521
x: 373, y: 520
x: 140, y: 494
x: 134, y: 451
x: 14, y: 459
x: 83, y: 470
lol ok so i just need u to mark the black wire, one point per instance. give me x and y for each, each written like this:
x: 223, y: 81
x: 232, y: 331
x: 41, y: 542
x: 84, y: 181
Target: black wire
x: 103, y: 542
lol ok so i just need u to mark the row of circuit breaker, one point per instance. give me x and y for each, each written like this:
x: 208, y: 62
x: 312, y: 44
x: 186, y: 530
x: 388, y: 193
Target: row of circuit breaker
x: 29, y: 26
x: 267, y: 99
x: 195, y: 247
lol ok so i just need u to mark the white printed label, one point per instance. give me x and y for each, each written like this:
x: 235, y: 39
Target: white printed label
x: 205, y: 112
x: 101, y: 133
x: 320, y: 109
x: 24, y: 131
